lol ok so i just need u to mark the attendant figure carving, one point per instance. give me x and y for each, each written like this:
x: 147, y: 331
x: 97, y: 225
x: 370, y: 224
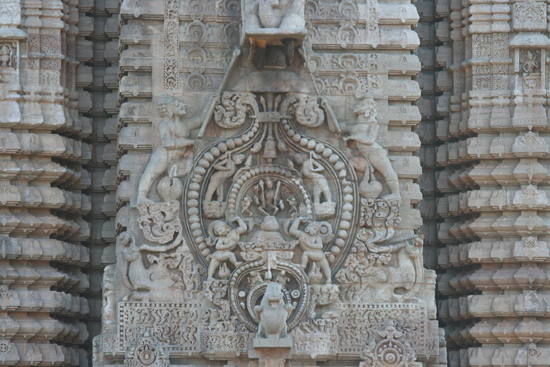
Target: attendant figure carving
x: 247, y: 201
x: 311, y: 170
x: 311, y: 243
x: 364, y: 134
x: 175, y: 143
x: 225, y: 243
x: 532, y: 63
x: 226, y: 169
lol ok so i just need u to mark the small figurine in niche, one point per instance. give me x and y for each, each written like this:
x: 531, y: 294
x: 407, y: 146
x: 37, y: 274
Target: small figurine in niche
x: 293, y: 206
x: 255, y: 278
x: 531, y: 64
x: 225, y: 242
x: 311, y: 244
x: 6, y: 56
x: 175, y: 143
x: 364, y: 133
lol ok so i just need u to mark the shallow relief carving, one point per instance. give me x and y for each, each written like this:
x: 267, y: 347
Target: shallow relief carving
x: 268, y: 218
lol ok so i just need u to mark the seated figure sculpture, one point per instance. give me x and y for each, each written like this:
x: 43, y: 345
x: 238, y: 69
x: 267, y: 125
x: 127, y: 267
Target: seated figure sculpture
x: 273, y: 313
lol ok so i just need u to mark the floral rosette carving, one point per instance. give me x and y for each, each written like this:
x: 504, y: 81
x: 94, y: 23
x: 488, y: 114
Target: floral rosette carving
x: 389, y: 349
x: 147, y: 353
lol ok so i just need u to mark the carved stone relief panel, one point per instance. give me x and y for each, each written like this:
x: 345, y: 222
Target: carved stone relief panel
x: 272, y: 217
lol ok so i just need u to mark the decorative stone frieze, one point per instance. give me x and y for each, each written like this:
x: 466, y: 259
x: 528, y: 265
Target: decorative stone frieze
x: 267, y: 187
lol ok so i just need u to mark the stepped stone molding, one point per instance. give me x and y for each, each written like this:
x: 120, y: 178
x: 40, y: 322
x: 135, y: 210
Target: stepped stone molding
x: 274, y: 183
x: 44, y: 207
x: 493, y: 150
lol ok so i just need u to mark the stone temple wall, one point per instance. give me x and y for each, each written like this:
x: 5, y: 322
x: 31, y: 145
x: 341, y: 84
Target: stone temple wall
x: 494, y: 182
x: 43, y: 175
x: 273, y: 183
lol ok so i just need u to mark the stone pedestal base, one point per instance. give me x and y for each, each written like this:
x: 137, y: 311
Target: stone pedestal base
x: 270, y: 356
x: 272, y: 343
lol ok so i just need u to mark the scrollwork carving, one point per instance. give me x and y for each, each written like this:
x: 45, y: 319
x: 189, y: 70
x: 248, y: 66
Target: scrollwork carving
x: 308, y: 113
x: 231, y: 112
x: 381, y: 273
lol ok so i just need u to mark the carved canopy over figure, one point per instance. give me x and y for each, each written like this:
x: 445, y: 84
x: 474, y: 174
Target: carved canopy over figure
x: 364, y: 133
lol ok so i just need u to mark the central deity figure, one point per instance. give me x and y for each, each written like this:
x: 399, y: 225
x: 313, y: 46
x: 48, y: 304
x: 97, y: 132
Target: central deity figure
x: 268, y: 197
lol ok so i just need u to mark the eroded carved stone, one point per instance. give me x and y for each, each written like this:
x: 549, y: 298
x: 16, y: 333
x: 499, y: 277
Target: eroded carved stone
x: 251, y: 236
x: 364, y: 134
x: 272, y: 313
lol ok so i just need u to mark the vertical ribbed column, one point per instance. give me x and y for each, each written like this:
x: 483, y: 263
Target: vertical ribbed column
x: 494, y: 208
x: 42, y: 205
x: 104, y: 70
x: 449, y: 182
x: 426, y: 128
x: 430, y: 33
